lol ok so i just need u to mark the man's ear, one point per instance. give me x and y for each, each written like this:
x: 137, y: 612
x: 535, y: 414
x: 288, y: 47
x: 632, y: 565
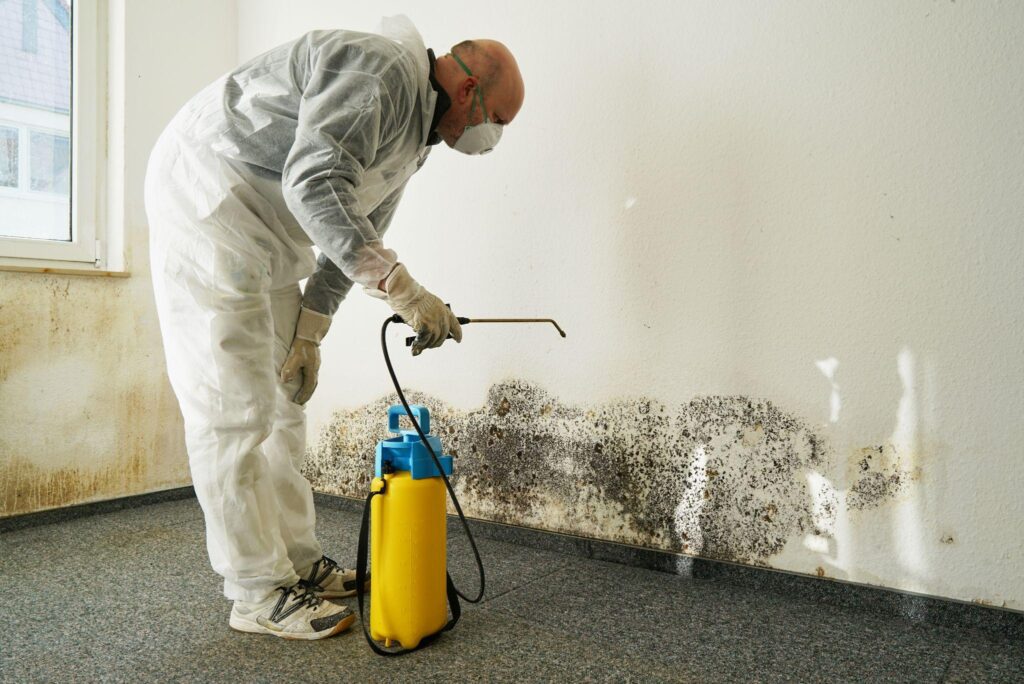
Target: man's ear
x: 466, y: 89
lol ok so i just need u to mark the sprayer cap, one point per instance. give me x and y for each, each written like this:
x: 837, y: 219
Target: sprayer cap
x: 406, y: 451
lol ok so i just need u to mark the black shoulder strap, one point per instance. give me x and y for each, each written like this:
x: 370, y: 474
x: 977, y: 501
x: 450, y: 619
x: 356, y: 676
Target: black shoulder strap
x: 361, y: 553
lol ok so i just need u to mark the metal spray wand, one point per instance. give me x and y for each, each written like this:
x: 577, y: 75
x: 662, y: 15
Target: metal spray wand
x: 466, y: 321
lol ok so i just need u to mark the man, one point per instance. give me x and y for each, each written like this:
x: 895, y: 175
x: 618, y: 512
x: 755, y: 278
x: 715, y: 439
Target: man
x: 310, y: 143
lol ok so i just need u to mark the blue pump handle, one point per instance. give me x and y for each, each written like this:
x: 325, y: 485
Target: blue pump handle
x: 421, y: 413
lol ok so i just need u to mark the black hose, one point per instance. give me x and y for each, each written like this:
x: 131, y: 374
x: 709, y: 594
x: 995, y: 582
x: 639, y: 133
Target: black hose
x: 423, y: 438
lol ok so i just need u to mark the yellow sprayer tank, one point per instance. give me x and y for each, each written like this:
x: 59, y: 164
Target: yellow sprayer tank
x: 408, y: 536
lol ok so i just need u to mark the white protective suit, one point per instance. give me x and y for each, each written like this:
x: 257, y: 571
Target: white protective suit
x: 311, y: 142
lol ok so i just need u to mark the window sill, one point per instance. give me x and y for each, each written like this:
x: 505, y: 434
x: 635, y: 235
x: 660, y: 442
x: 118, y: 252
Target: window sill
x: 56, y: 268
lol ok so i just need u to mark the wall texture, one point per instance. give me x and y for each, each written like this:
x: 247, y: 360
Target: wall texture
x: 86, y: 412
x: 785, y: 241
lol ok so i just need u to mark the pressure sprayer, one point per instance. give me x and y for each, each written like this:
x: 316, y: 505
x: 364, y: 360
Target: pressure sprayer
x: 405, y: 518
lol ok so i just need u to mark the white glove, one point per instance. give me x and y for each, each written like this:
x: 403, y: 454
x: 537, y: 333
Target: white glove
x: 304, y: 355
x: 425, y: 312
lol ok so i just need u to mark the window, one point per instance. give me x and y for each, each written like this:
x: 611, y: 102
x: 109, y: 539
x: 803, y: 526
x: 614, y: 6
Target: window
x: 8, y: 157
x: 50, y: 113
x: 51, y: 163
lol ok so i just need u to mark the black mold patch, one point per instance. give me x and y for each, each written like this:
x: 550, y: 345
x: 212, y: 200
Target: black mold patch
x: 721, y: 477
x: 880, y: 476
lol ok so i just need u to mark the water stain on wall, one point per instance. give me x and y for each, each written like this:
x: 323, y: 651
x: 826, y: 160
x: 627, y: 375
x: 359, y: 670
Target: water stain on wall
x: 130, y: 448
x: 26, y: 487
x: 86, y: 412
x: 724, y: 477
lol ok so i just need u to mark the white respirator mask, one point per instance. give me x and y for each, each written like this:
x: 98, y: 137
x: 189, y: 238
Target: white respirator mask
x: 480, y: 138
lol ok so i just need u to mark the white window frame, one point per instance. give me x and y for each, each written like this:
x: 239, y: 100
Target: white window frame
x: 88, y: 155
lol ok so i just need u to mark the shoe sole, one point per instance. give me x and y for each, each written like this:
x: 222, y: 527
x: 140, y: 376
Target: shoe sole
x: 250, y: 627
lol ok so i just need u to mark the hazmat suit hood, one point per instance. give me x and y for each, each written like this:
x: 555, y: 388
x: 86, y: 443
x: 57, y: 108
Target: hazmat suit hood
x: 401, y: 30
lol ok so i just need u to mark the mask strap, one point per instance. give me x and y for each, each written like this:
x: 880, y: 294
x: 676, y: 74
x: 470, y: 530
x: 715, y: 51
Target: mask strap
x: 479, y: 90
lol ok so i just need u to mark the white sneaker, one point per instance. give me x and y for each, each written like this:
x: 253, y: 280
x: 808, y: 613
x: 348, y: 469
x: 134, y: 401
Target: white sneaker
x: 295, y: 613
x: 330, y: 581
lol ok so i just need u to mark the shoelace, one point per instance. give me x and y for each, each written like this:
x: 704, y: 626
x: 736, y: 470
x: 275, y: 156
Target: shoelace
x: 321, y: 570
x: 303, y: 597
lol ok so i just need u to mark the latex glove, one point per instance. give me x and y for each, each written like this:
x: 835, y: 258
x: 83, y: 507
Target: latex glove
x: 424, y: 311
x: 304, y: 355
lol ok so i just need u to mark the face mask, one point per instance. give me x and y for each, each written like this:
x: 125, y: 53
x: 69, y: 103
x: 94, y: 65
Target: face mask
x: 480, y: 138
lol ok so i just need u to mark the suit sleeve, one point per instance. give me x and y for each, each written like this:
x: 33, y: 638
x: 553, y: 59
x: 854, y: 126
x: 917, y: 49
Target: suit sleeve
x: 343, y: 121
x: 326, y: 288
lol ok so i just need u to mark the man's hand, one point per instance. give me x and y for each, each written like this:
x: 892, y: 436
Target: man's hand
x: 304, y: 355
x: 425, y: 312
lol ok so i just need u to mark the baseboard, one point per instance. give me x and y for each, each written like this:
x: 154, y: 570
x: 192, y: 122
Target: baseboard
x: 55, y: 515
x: 922, y: 608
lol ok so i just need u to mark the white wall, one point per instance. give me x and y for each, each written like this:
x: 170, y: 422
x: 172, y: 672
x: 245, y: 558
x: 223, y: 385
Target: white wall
x: 86, y: 412
x: 819, y: 204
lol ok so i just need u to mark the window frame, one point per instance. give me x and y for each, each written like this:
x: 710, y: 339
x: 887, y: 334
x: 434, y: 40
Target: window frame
x: 88, y: 158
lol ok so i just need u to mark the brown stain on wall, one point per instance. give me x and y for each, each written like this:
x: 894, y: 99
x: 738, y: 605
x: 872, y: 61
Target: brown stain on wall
x: 138, y: 456
x: 721, y: 477
x: 27, y: 487
x: 86, y: 412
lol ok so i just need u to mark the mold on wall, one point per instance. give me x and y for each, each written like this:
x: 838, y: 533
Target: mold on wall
x: 881, y: 474
x: 720, y: 477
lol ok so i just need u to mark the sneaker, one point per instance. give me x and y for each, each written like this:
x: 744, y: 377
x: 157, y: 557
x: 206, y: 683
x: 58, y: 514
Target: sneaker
x: 329, y: 581
x: 296, y: 613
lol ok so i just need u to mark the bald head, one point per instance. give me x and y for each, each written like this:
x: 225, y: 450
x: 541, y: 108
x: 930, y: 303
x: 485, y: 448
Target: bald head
x: 497, y: 70
x: 494, y: 71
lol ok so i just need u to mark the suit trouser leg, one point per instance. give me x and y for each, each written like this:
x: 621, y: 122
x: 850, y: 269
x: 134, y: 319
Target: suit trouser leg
x: 216, y: 320
x: 285, y: 448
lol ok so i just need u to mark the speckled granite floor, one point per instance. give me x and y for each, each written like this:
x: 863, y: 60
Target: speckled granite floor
x: 128, y: 596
